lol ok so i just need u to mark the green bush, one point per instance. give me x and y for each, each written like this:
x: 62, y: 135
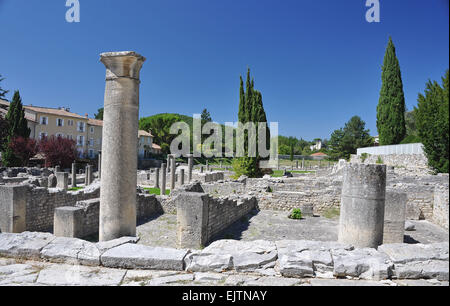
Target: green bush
x: 296, y: 214
x: 364, y: 156
x: 380, y: 160
x: 411, y: 139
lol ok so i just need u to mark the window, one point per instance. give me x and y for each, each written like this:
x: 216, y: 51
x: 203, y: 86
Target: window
x: 44, y: 120
x: 42, y: 135
x: 70, y: 137
x: 70, y: 122
x: 91, y: 142
x: 80, y: 141
x: 92, y: 130
x: 80, y: 126
x: 59, y: 135
x: 91, y: 153
x: 59, y: 122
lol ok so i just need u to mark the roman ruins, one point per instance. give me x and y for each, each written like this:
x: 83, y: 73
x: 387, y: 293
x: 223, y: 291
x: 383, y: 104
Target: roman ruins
x: 361, y: 221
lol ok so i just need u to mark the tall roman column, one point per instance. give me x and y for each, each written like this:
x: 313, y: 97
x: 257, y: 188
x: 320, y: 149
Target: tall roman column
x: 120, y: 143
x: 190, y: 166
x: 74, y: 175
x: 362, y: 205
x: 172, y: 173
x: 99, y: 164
x: 163, y: 179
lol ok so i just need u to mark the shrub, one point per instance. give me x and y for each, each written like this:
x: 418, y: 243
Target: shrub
x: 296, y: 214
x: 58, y: 151
x: 24, y: 149
x: 380, y: 160
x: 364, y: 156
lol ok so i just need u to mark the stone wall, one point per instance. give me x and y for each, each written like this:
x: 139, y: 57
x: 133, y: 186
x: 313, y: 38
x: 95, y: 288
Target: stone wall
x: 410, y: 162
x: 440, y: 208
x: 200, y: 217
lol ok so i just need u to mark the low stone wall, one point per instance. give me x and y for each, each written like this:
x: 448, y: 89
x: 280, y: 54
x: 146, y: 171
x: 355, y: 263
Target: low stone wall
x: 440, y: 207
x: 293, y: 259
x: 83, y: 220
x: 200, y: 217
x: 411, y: 162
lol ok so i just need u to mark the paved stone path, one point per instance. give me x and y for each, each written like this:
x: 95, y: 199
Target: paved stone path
x: 30, y: 273
x: 275, y: 225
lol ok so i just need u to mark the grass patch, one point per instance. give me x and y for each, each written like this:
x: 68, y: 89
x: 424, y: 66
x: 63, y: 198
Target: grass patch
x: 296, y: 214
x: 331, y: 213
x: 302, y: 172
x: 76, y: 188
x: 156, y: 191
x: 278, y: 173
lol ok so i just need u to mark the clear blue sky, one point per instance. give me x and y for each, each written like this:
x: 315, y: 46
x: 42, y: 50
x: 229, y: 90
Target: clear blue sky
x: 317, y: 63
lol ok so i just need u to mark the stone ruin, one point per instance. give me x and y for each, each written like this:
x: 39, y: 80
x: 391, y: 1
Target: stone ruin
x: 40, y: 219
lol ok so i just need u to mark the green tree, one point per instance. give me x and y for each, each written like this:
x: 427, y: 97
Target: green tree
x: 251, y: 109
x: 3, y: 92
x: 206, y: 116
x: 391, y: 106
x: 99, y: 115
x: 17, y: 127
x: 347, y: 140
x: 432, y: 120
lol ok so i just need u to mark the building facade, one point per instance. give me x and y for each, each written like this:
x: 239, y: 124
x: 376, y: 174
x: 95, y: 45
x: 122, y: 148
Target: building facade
x: 86, y: 132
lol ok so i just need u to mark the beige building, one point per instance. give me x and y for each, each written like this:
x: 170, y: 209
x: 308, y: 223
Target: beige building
x: 86, y: 132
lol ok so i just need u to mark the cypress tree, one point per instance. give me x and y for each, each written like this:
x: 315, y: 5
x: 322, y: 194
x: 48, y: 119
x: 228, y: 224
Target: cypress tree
x: 18, y: 127
x: 391, y: 106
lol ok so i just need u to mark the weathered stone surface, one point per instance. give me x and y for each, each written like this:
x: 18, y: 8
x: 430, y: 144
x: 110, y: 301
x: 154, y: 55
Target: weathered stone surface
x: 409, y: 227
x: 214, y: 262
x: 71, y: 251
x: 25, y: 245
x: 248, y: 255
x: 106, y: 245
x: 420, y: 283
x: 307, y: 258
x: 431, y: 269
x: 273, y: 281
x: 132, y: 256
x: 17, y: 274
x: 404, y: 253
x: 68, y: 275
x: 208, y: 277
x: 345, y: 282
x: 362, y: 263
x: 171, y: 279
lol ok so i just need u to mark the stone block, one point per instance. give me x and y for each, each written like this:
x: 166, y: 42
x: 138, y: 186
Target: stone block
x: 62, y: 179
x: 133, y: 256
x: 25, y: 245
x: 68, y: 222
x: 394, y: 217
x: 71, y: 251
x: 13, y: 202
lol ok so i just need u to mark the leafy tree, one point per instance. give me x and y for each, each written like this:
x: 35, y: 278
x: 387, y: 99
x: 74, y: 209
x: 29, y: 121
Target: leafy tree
x: 17, y: 127
x: 206, y: 116
x: 3, y: 92
x: 391, y: 106
x: 432, y: 120
x: 3, y: 132
x: 58, y: 151
x: 99, y: 115
x: 347, y: 140
x: 24, y: 149
x: 251, y: 109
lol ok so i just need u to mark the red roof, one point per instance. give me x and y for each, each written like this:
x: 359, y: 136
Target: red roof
x: 319, y: 154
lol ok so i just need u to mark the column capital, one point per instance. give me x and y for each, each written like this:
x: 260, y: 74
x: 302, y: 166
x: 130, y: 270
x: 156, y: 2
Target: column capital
x: 125, y: 64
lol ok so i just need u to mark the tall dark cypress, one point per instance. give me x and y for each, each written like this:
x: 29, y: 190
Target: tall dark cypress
x: 18, y: 127
x: 391, y: 106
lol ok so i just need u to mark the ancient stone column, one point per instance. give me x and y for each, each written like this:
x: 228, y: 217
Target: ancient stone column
x: 74, y: 175
x: 172, y: 173
x: 57, y: 169
x: 163, y: 179
x: 394, y: 217
x: 202, y: 169
x: 88, y: 175
x: 296, y: 164
x: 120, y: 145
x: 190, y: 166
x: 303, y: 163
x: 207, y: 166
x: 62, y: 180
x: 157, y: 178
x: 362, y: 205
x: 99, y: 164
x: 181, y: 177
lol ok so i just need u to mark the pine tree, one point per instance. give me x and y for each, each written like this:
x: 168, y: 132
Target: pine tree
x: 18, y: 127
x: 251, y: 109
x: 432, y: 120
x: 391, y: 106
